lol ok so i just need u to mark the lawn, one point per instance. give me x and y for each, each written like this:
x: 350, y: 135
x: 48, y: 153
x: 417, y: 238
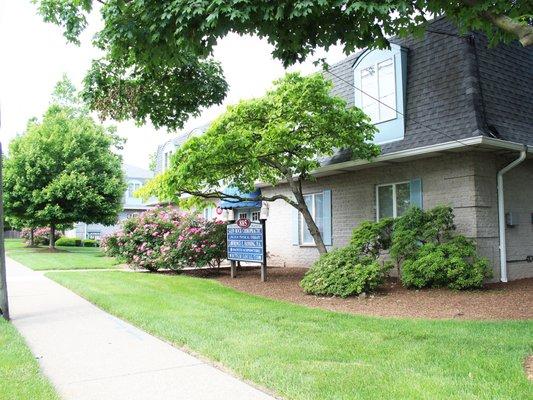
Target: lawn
x: 64, y: 258
x: 304, y: 353
x: 20, y: 377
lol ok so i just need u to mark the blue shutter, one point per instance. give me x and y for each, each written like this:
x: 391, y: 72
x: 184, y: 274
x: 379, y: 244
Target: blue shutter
x: 416, y: 192
x: 326, y: 234
x: 295, y: 232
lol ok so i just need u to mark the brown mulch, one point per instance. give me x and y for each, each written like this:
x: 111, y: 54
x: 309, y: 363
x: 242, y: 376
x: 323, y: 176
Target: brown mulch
x: 496, y: 301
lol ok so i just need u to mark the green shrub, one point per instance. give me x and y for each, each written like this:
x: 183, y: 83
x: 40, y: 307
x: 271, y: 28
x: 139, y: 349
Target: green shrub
x: 370, y: 238
x: 453, y: 264
x: 90, y: 243
x: 67, y: 241
x: 343, y: 272
x: 417, y: 227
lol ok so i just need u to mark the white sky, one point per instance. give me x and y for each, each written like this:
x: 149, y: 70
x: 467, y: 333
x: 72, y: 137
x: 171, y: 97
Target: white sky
x: 34, y: 55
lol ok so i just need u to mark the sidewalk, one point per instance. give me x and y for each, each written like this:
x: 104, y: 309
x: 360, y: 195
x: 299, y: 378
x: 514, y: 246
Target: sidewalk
x: 91, y: 355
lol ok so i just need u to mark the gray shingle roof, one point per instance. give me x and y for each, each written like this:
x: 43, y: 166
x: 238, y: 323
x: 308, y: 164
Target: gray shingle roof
x: 445, y: 100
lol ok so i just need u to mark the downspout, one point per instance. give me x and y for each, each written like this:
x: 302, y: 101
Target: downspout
x: 501, y: 212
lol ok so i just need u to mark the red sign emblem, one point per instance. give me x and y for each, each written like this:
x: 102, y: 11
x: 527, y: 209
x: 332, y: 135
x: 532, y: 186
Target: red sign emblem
x: 244, y: 223
x: 218, y: 210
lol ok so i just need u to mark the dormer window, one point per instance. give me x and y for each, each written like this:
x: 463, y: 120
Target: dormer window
x: 378, y: 85
x: 380, y: 79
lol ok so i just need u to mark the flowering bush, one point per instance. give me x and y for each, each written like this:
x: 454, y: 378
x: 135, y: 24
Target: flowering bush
x: 164, y: 237
x: 41, y: 236
x: 198, y: 243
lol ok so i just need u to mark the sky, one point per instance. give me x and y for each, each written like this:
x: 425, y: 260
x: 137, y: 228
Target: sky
x: 34, y: 55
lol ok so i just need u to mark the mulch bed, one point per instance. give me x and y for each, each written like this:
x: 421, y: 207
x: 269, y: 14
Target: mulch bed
x: 497, y: 301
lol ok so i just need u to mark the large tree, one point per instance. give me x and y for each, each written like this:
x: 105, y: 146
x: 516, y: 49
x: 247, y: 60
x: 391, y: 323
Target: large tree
x: 63, y: 170
x: 276, y: 139
x: 158, y: 66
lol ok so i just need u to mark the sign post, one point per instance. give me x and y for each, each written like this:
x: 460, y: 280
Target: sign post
x: 246, y: 242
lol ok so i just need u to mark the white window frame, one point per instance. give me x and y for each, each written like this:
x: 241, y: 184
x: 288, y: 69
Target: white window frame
x: 166, y: 159
x: 379, y: 101
x: 136, y: 186
x: 394, y: 202
x: 301, y: 221
x: 255, y: 216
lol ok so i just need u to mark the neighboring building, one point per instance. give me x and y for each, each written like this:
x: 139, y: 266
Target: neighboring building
x: 451, y: 114
x: 135, y: 178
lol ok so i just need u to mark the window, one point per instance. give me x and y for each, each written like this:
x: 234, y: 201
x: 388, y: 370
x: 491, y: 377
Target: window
x: 208, y: 213
x: 255, y: 216
x: 393, y: 200
x: 132, y: 188
x: 166, y: 159
x: 315, y: 204
x: 378, y: 83
x: 243, y: 215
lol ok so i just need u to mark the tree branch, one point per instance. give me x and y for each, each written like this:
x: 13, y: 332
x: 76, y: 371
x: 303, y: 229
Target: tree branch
x: 522, y: 31
x: 217, y: 194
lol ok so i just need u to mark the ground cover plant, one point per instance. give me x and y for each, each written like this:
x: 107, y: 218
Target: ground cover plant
x: 166, y: 237
x: 302, y: 353
x: 20, y: 377
x: 40, y: 258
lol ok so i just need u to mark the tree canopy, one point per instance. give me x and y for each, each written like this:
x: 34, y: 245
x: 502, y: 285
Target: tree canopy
x: 62, y: 170
x: 276, y: 139
x: 158, y: 65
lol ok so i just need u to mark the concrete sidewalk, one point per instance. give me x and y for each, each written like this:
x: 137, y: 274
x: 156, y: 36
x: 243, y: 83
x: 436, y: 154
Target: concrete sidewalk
x: 89, y: 354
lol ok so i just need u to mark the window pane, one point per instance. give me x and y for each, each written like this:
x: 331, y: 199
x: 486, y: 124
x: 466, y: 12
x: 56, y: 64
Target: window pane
x: 319, y: 211
x: 403, y: 198
x: 387, y: 90
x: 316, y: 212
x: 385, y: 208
x: 369, y: 86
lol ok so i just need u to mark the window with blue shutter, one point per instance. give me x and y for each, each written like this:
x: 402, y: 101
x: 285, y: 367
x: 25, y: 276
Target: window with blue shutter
x: 319, y: 205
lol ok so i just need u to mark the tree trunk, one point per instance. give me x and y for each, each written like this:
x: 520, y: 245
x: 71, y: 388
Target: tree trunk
x: 308, y: 218
x: 52, y: 244
x: 32, y: 237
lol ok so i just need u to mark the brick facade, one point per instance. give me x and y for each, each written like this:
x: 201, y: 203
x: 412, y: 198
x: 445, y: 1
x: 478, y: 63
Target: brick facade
x: 465, y: 181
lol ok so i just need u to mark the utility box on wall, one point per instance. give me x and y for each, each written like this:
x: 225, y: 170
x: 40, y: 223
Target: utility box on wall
x: 510, y: 219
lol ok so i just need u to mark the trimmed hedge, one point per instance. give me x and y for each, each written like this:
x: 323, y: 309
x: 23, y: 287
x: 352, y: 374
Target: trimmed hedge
x: 90, y: 243
x: 67, y: 241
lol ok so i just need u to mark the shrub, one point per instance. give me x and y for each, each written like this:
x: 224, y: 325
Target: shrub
x: 370, y: 238
x: 110, y: 244
x: 343, y: 272
x: 198, y: 243
x: 417, y: 227
x: 90, y: 243
x: 167, y: 238
x: 67, y: 241
x: 140, y: 241
x: 453, y: 264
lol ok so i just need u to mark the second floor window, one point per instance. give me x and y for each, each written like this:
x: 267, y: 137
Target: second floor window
x: 378, y: 83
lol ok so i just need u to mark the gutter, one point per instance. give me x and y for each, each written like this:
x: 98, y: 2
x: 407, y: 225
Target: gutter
x: 501, y: 212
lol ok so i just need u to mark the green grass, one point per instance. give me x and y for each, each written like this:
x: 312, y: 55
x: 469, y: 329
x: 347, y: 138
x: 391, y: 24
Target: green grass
x: 65, y: 258
x: 20, y: 377
x: 303, y: 353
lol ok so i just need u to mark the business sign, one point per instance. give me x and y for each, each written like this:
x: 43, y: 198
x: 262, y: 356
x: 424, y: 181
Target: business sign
x: 245, y: 241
